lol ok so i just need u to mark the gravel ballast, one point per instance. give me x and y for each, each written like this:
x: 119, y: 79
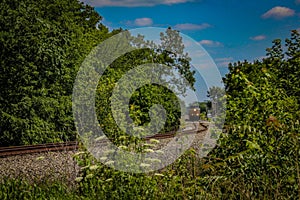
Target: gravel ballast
x: 40, y: 167
x: 56, y: 166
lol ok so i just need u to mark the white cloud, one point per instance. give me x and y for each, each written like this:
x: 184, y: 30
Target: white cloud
x: 223, y: 62
x: 197, y: 54
x: 210, y: 43
x: 143, y: 21
x: 258, y: 37
x: 188, y: 26
x: 224, y: 59
x: 279, y: 12
x: 133, y: 3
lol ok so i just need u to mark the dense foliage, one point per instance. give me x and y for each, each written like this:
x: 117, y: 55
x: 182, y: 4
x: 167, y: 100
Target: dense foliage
x: 259, y: 154
x: 150, y: 94
x: 42, y: 45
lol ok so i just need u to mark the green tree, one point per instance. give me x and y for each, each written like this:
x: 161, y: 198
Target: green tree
x: 170, y: 55
x: 42, y: 46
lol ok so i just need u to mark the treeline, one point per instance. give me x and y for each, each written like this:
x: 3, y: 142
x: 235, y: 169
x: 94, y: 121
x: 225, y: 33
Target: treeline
x: 43, y: 44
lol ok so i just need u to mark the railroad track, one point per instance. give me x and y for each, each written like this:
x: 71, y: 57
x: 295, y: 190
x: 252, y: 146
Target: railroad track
x: 39, y: 148
x: 74, y: 145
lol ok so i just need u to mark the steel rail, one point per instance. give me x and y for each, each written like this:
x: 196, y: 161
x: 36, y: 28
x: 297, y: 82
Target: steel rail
x: 39, y: 148
x: 74, y: 145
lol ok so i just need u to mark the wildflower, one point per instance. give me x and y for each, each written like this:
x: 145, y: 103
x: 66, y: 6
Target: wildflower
x: 103, y: 158
x: 109, y: 162
x: 122, y: 137
x: 94, y: 167
x: 159, y: 151
x: 144, y: 165
x: 157, y: 174
x: 85, y: 167
x: 90, y: 176
x: 148, y: 150
x: 123, y: 147
x: 155, y: 141
x: 138, y: 128
x: 78, y: 179
x: 149, y: 145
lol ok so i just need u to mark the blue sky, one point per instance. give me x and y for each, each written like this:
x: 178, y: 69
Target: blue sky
x: 230, y: 30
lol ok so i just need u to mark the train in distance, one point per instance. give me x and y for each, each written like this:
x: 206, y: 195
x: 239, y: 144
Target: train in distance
x: 194, y: 114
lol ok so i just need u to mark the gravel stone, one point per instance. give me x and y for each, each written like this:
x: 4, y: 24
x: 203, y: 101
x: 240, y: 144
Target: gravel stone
x: 59, y: 166
x: 40, y: 167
